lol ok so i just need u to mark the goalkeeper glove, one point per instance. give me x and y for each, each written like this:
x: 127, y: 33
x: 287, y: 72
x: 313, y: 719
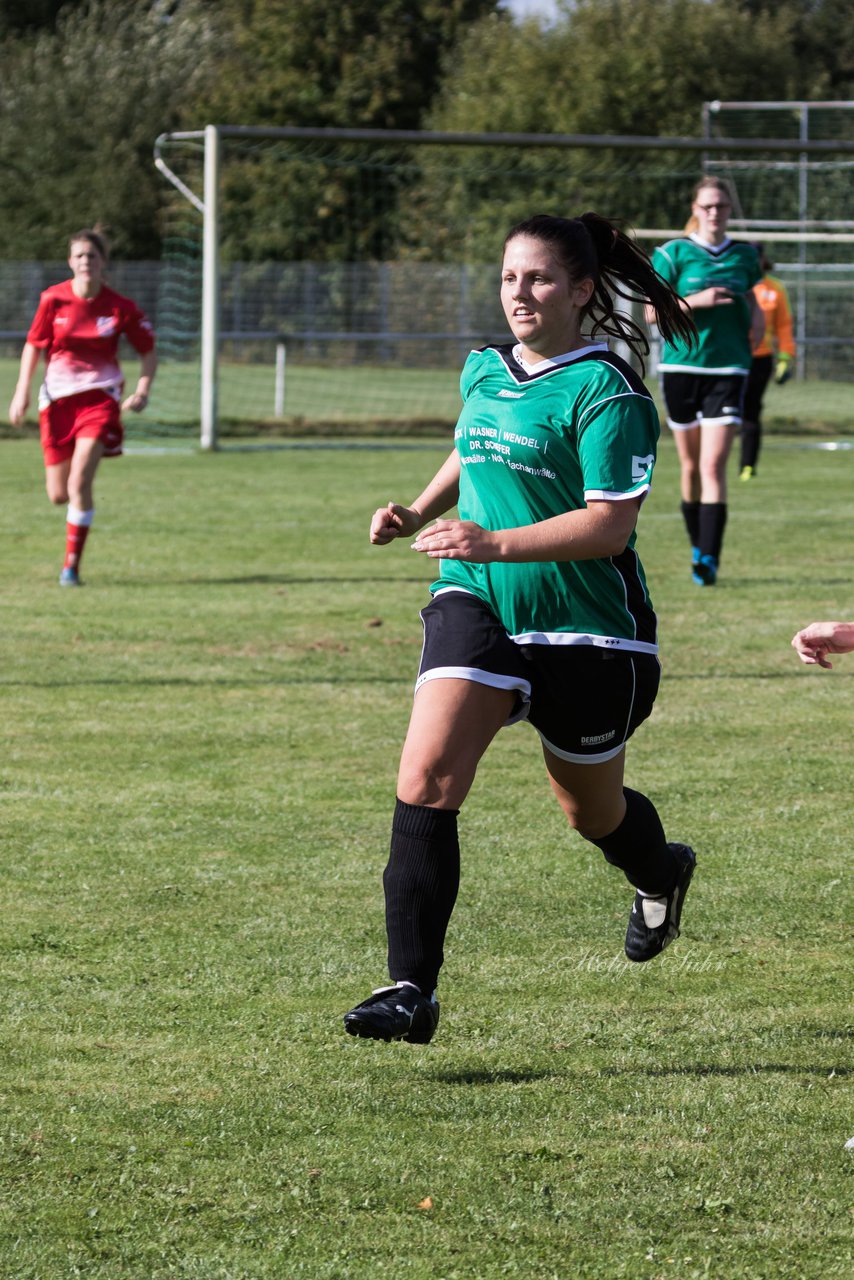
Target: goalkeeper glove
x: 783, y: 371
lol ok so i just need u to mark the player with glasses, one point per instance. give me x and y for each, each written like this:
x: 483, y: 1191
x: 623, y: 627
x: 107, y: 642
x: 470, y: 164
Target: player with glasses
x: 704, y: 383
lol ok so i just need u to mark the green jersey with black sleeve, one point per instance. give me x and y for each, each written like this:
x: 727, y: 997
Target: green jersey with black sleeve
x: 537, y: 441
x: 723, y: 344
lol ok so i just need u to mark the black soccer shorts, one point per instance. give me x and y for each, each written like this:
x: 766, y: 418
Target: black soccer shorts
x: 707, y: 399
x: 585, y: 701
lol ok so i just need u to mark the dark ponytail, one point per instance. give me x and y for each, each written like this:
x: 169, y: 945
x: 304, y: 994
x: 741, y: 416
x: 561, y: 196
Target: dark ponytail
x: 627, y: 272
x: 593, y: 247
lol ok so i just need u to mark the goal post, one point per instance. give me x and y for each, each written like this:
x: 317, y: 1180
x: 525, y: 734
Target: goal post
x: 413, y: 205
x: 209, y: 407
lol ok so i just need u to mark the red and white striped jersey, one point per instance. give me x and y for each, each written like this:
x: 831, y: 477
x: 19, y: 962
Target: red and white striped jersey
x: 80, y: 338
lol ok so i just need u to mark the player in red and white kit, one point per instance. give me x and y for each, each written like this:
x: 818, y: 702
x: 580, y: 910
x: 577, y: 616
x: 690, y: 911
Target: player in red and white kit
x: 78, y: 325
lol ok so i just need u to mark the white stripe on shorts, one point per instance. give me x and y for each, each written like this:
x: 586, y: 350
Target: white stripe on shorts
x: 571, y: 758
x: 514, y: 684
x: 600, y: 756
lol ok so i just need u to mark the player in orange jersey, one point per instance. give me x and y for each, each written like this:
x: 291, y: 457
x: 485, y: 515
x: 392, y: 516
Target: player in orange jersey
x: 774, y: 354
x: 78, y: 325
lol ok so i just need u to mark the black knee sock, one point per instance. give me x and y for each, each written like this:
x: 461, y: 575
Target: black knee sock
x: 751, y: 436
x: 712, y: 525
x: 691, y: 516
x: 421, y: 882
x: 639, y: 847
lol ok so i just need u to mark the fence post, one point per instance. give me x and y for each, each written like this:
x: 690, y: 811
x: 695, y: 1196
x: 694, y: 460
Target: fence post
x: 279, y: 393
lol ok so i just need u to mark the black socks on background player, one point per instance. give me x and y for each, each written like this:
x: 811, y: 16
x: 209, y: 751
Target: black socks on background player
x: 751, y: 438
x: 691, y: 516
x: 712, y: 525
x: 421, y: 882
x: 705, y: 522
x: 639, y: 847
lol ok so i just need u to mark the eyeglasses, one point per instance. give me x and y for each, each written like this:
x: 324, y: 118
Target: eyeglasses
x: 707, y: 208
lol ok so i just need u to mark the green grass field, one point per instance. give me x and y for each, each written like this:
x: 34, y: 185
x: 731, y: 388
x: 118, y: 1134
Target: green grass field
x: 403, y: 401
x: 199, y: 754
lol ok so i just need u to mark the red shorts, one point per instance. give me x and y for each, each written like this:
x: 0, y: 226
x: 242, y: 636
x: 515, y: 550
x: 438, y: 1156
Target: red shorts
x: 92, y: 415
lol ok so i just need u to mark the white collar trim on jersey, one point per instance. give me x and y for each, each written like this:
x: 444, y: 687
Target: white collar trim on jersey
x: 555, y: 361
x: 706, y: 244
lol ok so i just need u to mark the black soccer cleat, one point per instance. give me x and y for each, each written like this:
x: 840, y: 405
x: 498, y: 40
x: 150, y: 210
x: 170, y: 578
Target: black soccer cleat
x: 395, y: 1013
x: 654, y: 922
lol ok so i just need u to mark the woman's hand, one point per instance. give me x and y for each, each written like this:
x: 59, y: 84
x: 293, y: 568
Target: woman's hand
x: 816, y: 641
x: 18, y: 407
x: 714, y: 296
x: 599, y: 529
x: 394, y: 521
x: 136, y: 403
x: 458, y: 540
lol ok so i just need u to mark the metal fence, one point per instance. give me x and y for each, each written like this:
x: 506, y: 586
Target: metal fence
x: 408, y: 314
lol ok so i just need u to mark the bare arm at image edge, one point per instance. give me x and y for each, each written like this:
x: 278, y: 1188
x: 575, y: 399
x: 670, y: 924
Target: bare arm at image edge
x: 816, y: 641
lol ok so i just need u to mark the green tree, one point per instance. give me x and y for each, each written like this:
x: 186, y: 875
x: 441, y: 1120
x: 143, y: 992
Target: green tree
x: 80, y: 107
x: 358, y: 64
x: 29, y: 15
x: 618, y: 66
x: 821, y: 33
x: 633, y: 67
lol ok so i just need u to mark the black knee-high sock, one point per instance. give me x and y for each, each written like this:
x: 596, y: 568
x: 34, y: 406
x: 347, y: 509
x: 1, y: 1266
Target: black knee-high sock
x: 751, y: 437
x: 639, y: 847
x: 421, y: 882
x: 712, y: 525
x: 691, y: 516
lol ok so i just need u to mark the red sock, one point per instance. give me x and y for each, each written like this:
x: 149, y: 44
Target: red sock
x: 76, y: 534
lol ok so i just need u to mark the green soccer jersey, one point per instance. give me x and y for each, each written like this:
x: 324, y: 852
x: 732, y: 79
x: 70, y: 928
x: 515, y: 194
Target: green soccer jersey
x: 689, y: 265
x: 537, y: 441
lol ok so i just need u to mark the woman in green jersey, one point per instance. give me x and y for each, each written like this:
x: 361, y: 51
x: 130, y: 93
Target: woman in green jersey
x: 541, y: 610
x: 704, y: 378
